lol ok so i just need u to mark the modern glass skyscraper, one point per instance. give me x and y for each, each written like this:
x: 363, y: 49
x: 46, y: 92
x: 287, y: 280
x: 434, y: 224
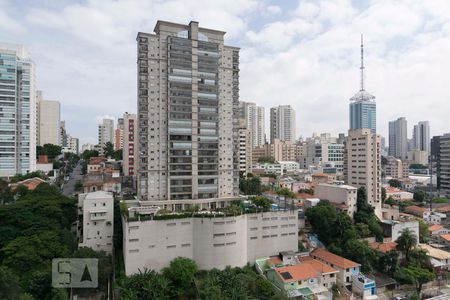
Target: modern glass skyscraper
x: 363, y: 108
x: 17, y: 111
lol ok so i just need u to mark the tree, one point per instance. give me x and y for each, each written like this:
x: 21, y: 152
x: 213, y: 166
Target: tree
x: 87, y: 154
x: 383, y: 194
x: 250, y: 186
x: 322, y: 218
x: 359, y: 251
x: 78, y: 186
x: 145, y: 285
x: 5, y: 192
x: 390, y: 201
x: 267, y: 159
x: 417, y: 166
x: 418, y: 276
x: 9, y: 284
x: 108, y: 150
x: 423, y: 232
x: 306, y: 191
x: 406, y: 243
x: 419, y: 195
x: 180, y: 273
x: 262, y: 202
x: 395, y: 183
x: 388, y: 262
x: 117, y: 154
x: 52, y: 151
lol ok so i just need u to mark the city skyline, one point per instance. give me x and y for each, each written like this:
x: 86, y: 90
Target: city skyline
x: 286, y: 56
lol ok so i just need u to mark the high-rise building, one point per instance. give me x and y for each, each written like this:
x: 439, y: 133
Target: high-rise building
x: 363, y: 108
x: 255, y: 122
x: 74, y: 145
x: 282, y: 123
x: 106, y: 132
x: 118, y: 134
x: 398, y: 138
x: 421, y: 136
x: 279, y: 150
x: 63, y: 136
x: 188, y: 112
x: 362, y: 164
x: 444, y: 165
x: 323, y: 150
x: 129, y: 153
x: 18, y: 111
x: 396, y: 168
x: 48, y: 121
x: 245, y: 148
x: 435, y: 148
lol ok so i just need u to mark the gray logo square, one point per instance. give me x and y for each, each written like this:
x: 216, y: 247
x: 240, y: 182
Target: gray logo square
x: 75, y: 272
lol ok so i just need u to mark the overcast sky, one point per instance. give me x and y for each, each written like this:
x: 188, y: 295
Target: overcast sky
x: 302, y: 53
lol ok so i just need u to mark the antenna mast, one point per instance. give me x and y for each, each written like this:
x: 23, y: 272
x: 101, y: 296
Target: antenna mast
x: 362, y: 63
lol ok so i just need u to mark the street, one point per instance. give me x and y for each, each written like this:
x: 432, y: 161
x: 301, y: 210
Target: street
x: 69, y: 186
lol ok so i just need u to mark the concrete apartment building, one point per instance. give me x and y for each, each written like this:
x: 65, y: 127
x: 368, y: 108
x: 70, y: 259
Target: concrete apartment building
x: 63, y: 134
x: 106, y: 132
x: 398, y: 138
x: 96, y: 221
x: 418, y: 157
x: 282, y: 123
x: 213, y: 242
x: 245, y: 149
x: 396, y: 168
x: 343, y: 196
x: 48, y: 121
x: 254, y: 117
x: 130, y: 134
x: 444, y: 165
x: 118, y: 134
x: 421, y: 137
x: 362, y: 164
x: 323, y: 150
x: 188, y: 109
x: 280, y: 150
x: 74, y: 145
x: 18, y: 107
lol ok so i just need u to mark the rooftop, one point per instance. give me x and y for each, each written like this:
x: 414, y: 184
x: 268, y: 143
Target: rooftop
x: 383, y: 247
x: 334, y: 259
x: 435, y: 227
x: 297, y: 272
x: 435, y: 253
x: 446, y: 237
x: 30, y: 183
x: 416, y: 208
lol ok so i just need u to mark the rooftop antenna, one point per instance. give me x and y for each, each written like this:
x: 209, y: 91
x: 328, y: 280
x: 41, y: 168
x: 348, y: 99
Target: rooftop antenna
x: 362, y: 63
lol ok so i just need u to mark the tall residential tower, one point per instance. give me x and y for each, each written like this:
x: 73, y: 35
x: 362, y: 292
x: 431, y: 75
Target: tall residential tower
x: 18, y: 111
x: 363, y: 108
x: 282, y: 123
x: 398, y: 138
x: 188, y: 109
x: 254, y: 121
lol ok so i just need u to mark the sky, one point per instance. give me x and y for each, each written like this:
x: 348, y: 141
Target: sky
x: 304, y: 53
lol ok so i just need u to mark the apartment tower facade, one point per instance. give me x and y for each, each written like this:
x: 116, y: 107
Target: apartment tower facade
x: 106, y: 132
x: 48, y: 121
x: 188, y: 111
x: 362, y: 164
x: 282, y: 123
x: 254, y: 117
x: 421, y: 136
x: 18, y: 106
x: 129, y: 144
x: 398, y: 138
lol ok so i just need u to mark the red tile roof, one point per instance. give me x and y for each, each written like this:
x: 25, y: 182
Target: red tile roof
x: 446, y: 237
x: 383, y: 247
x: 435, y: 227
x: 334, y: 259
x: 416, y: 208
x: 317, y: 265
x: 297, y: 272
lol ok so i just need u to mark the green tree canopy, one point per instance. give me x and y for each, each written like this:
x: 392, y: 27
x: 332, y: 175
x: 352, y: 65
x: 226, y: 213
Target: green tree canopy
x: 395, y: 183
x: 406, y: 242
x: 418, y: 276
x: 108, y: 150
x: 52, y: 151
x: 180, y: 273
x: 262, y: 202
x: 267, y: 159
x: 419, y: 195
x: 87, y: 154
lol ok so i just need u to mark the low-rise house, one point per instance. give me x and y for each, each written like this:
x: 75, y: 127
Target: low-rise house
x: 323, y: 178
x: 393, y: 228
x: 102, y: 182
x: 398, y: 194
x: 30, y: 183
x: 344, y: 195
x: 444, y: 239
x: 443, y: 257
x: 435, y: 230
x: 96, y: 164
x: 384, y: 247
x: 418, y: 211
x: 346, y: 268
x: 364, y: 287
x: 436, y: 218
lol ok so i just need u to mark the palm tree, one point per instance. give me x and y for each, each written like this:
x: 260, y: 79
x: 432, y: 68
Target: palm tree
x: 406, y: 242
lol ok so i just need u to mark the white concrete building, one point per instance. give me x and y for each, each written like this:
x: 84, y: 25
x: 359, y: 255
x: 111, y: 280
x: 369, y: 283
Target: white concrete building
x: 421, y: 137
x: 398, y: 138
x: 245, y: 150
x: 18, y: 109
x: 338, y: 194
x: 362, y: 164
x: 87, y: 146
x: 254, y: 117
x: 282, y: 123
x: 106, y: 132
x: 321, y: 151
x: 48, y: 121
x: 396, y: 168
x: 96, y: 220
x: 213, y: 242
x: 418, y: 157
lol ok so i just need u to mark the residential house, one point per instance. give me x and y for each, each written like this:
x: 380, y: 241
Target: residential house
x: 421, y: 212
x: 441, y: 256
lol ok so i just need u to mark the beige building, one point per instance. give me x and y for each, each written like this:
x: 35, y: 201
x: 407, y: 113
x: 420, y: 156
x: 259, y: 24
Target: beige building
x: 396, y: 168
x: 213, y: 242
x: 245, y: 150
x: 48, y: 119
x: 130, y: 136
x: 188, y: 130
x: 418, y: 157
x: 106, y: 132
x: 280, y: 150
x: 342, y: 195
x: 96, y: 215
x: 282, y: 123
x: 362, y: 164
x: 254, y: 117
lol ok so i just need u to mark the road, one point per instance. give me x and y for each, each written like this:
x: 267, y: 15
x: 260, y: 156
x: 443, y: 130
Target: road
x: 69, y: 186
